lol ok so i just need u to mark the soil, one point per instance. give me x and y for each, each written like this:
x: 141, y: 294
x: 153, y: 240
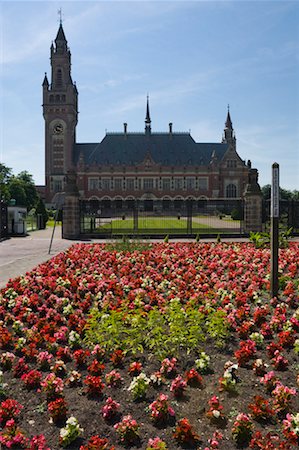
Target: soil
x: 34, y: 418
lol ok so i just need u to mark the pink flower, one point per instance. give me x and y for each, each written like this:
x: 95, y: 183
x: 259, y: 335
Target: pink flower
x: 178, y: 386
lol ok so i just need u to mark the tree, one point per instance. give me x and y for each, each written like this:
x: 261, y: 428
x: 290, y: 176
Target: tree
x: 17, y: 191
x: 30, y: 190
x: 284, y: 194
x: 23, y: 190
x: 41, y: 210
x: 5, y: 174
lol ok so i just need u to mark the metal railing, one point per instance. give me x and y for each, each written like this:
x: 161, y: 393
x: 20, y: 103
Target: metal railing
x: 161, y: 217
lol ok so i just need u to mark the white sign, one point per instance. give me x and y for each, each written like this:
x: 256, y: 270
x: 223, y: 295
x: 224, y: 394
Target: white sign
x: 275, y: 191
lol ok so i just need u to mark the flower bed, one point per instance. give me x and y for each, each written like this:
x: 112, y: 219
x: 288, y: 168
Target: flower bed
x: 175, y: 345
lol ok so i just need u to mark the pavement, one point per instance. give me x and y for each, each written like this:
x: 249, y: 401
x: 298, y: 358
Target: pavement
x: 19, y: 255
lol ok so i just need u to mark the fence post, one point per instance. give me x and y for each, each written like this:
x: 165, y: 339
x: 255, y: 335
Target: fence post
x: 71, y: 209
x: 135, y: 216
x: 252, y: 204
x: 274, y: 229
x: 189, y: 216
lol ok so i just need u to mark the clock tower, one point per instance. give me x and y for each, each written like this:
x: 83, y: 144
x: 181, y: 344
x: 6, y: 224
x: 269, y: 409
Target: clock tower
x: 60, y: 111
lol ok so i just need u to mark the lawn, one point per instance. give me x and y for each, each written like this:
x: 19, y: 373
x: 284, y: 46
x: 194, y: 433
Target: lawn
x: 160, y: 346
x: 151, y: 224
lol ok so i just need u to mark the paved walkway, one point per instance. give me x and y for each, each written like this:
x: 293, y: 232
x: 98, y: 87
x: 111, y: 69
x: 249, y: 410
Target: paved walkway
x: 19, y: 255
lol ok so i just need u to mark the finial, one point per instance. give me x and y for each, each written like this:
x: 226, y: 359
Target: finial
x: 228, y: 107
x: 59, y: 12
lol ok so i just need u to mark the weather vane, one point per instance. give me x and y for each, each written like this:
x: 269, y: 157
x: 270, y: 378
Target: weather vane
x: 59, y: 12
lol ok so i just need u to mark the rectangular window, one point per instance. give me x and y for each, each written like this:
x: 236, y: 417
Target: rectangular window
x: 106, y: 184
x: 231, y: 163
x: 57, y: 184
x: 148, y: 183
x: 93, y: 184
x: 202, y: 184
x: 130, y: 184
x: 178, y: 183
x: 190, y: 182
x: 118, y: 184
x: 166, y: 184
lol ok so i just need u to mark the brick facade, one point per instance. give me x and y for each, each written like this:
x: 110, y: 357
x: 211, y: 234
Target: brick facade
x: 125, y: 166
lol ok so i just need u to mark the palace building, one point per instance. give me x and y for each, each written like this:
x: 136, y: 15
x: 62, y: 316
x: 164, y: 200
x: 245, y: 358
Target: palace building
x: 124, y: 166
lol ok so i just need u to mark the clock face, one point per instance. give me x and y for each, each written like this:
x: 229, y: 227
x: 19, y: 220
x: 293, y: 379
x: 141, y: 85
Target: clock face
x: 58, y: 128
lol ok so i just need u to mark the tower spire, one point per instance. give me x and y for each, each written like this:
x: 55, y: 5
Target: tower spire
x: 228, y: 123
x: 229, y: 135
x: 147, y: 118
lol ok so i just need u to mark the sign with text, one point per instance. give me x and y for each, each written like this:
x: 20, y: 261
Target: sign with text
x: 275, y: 191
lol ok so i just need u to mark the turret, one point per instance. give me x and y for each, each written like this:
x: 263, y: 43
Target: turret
x: 229, y: 135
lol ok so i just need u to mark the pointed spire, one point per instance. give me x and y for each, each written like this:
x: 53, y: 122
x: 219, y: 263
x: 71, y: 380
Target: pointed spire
x: 229, y: 135
x: 147, y: 118
x: 60, y: 34
x: 46, y: 82
x: 228, y: 123
x: 60, y: 41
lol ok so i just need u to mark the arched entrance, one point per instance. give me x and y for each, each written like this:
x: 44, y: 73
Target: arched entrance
x: 147, y: 201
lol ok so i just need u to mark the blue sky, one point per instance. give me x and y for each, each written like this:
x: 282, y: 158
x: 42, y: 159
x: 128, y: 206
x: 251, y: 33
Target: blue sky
x: 192, y: 58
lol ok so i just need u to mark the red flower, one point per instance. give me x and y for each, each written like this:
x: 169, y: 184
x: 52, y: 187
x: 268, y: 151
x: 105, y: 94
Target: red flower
x: 184, y: 433
x: 94, y: 385
x: 135, y: 368
x: 96, y: 368
x: 97, y: 443
x: 32, y: 379
x: 193, y: 378
x: 247, y: 350
x: 9, y: 409
x: 57, y: 409
x: 117, y: 357
x: 260, y: 409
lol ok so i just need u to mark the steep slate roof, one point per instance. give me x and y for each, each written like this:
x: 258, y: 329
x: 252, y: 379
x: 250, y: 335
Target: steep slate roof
x: 131, y: 149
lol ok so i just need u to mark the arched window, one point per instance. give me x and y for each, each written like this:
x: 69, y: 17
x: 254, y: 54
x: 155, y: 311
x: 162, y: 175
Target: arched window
x: 231, y: 191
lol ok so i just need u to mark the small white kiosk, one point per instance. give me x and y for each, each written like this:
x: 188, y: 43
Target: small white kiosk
x: 16, y: 217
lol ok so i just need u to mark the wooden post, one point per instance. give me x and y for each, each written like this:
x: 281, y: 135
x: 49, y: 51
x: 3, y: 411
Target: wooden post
x: 274, y: 229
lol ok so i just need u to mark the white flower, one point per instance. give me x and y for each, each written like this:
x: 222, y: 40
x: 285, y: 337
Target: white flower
x: 216, y: 413
x: 63, y: 433
x: 72, y: 421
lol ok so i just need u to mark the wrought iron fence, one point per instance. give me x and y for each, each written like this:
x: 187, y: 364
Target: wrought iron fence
x: 288, y: 215
x: 108, y: 218
x: 3, y: 220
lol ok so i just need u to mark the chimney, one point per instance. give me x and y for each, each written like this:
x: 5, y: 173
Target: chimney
x: 170, y: 129
x: 125, y: 129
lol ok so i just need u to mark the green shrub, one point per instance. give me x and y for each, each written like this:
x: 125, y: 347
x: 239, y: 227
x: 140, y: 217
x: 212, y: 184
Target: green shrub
x: 161, y: 333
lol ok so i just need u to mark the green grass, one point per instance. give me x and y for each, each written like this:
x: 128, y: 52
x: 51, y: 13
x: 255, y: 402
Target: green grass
x: 150, y: 224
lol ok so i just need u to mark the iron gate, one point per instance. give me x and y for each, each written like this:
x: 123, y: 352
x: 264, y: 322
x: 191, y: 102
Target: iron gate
x: 108, y: 218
